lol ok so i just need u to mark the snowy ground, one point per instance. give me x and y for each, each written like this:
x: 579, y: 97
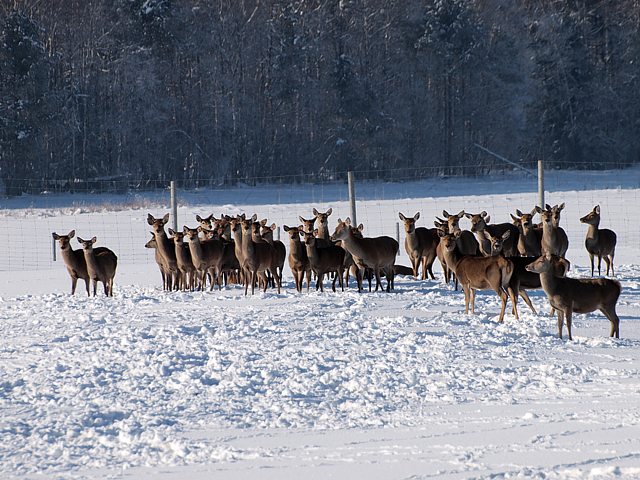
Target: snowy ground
x: 152, y: 385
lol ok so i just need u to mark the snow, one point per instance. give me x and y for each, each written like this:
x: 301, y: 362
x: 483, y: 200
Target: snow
x: 156, y: 385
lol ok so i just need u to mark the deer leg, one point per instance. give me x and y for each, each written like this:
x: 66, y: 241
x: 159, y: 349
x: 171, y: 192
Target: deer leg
x: 514, y: 302
x: 527, y: 300
x: 599, y: 262
x: 560, y: 323
x: 609, y: 311
x: 340, y: 273
x: 333, y: 283
x: 378, y: 279
x: 319, y: 283
x: 591, y: 259
x: 466, y: 300
x: 503, y: 297
x: 569, y: 315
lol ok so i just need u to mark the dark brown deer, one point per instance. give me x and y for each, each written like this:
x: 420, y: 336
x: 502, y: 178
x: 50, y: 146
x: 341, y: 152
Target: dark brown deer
x: 74, y: 260
x: 530, y: 239
x: 579, y: 295
x: 478, y: 273
x: 101, y: 267
x: 377, y: 253
x: 266, y: 232
x: 298, y: 259
x: 554, y: 238
x: 480, y: 223
x: 324, y: 260
x: 420, y: 244
x: 599, y: 242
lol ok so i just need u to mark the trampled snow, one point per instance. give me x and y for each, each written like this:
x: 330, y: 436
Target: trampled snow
x: 151, y: 384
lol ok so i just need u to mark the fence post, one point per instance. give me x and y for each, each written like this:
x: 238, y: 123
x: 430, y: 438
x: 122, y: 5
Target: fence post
x: 174, y: 206
x: 540, y: 183
x: 398, y: 237
x: 278, y: 233
x: 53, y: 250
x: 352, y: 198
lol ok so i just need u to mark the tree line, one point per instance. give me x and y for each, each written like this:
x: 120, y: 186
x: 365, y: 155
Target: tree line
x: 202, y: 92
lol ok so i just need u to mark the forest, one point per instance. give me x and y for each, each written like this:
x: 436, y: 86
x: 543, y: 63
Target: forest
x: 134, y: 93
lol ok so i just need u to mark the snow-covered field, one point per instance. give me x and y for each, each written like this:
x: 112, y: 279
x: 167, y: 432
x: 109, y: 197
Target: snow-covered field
x: 155, y: 385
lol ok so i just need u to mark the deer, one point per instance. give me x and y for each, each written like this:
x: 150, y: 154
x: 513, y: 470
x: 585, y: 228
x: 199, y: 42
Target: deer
x: 266, y: 232
x: 467, y: 243
x: 530, y: 238
x: 324, y: 260
x: 377, y: 253
x: 165, y: 246
x: 578, y: 295
x: 186, y: 268
x: 479, y: 273
x: 420, y: 244
x: 74, y: 260
x: 101, y: 267
x: 309, y: 226
x: 258, y: 257
x: 206, y: 256
x: 554, y: 238
x: 236, y: 230
x: 599, y: 242
x: 205, y: 222
x: 159, y: 260
x: 298, y: 259
x: 480, y: 223
x: 521, y: 279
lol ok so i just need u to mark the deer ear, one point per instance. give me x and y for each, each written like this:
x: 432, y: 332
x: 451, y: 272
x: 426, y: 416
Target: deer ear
x: 483, y: 214
x: 242, y: 216
x: 198, y: 218
x: 487, y: 219
x: 361, y: 227
x: 538, y: 209
x: 165, y: 219
x: 254, y: 217
x: 347, y: 221
x: 286, y: 229
x: 80, y: 240
x: 315, y: 231
x: 172, y: 232
x: 518, y: 212
x: 402, y: 217
x: 445, y: 214
x: 416, y: 216
x: 316, y: 212
x: 150, y: 219
x: 468, y: 215
x: 597, y: 209
x: 263, y: 222
x: 273, y: 226
x: 94, y: 239
x: 506, y: 234
x: 561, y: 206
x: 460, y: 214
x: 547, y: 206
x: 300, y: 218
x: 55, y: 236
x: 515, y: 219
x: 329, y: 212
x: 441, y: 233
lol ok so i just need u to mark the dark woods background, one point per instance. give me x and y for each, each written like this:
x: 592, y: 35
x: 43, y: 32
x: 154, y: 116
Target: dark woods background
x: 213, y: 92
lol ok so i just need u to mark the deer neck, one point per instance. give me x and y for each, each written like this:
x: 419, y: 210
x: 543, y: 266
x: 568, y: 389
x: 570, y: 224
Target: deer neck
x: 92, y: 264
x: 451, y: 257
x: 592, y: 232
x: 323, y: 231
x: 412, y: 240
x: 549, y: 282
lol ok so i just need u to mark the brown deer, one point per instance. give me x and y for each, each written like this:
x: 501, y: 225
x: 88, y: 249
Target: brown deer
x: 266, y: 232
x: 480, y: 223
x: 420, y: 244
x: 73, y: 260
x: 554, y: 238
x: 258, y: 257
x: 164, y: 271
x: 522, y: 279
x: 206, y: 256
x: 377, y: 253
x: 165, y: 246
x: 599, y: 242
x: 579, y: 295
x: 530, y: 238
x: 101, y: 267
x: 323, y: 226
x: 466, y: 241
x: 324, y: 260
x: 187, y: 277
x: 478, y: 273
x: 298, y: 259
x: 206, y: 222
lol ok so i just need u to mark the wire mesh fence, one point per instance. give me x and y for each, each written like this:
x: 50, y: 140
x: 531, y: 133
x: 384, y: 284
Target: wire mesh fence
x: 118, y: 218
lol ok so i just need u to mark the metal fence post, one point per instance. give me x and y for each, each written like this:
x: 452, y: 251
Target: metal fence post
x: 398, y: 237
x: 541, y: 183
x: 352, y: 198
x: 174, y: 206
x: 53, y: 250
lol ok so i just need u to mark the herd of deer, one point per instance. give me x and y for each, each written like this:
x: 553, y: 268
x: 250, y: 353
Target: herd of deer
x: 508, y: 258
